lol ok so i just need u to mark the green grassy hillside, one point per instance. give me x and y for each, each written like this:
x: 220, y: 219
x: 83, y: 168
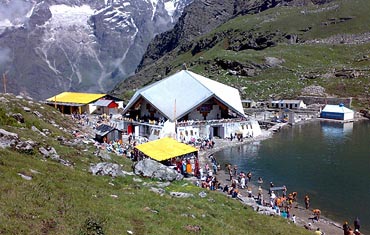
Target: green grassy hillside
x: 326, y: 45
x: 69, y: 200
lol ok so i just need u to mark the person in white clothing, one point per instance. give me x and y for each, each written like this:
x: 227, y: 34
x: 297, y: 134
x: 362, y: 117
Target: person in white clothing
x: 242, y: 182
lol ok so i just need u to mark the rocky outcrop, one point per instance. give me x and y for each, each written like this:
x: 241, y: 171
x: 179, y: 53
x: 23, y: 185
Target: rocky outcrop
x: 107, y: 168
x: 7, y: 138
x: 153, y: 169
x: 237, y: 68
x: 314, y: 90
x: 198, y: 19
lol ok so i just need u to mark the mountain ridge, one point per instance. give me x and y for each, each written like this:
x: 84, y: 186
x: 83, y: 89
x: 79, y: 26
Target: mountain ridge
x: 239, y: 53
x: 75, y: 45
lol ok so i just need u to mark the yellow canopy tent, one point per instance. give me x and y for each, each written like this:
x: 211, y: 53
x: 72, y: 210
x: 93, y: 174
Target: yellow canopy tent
x: 165, y: 148
x: 70, y: 102
x: 75, y: 97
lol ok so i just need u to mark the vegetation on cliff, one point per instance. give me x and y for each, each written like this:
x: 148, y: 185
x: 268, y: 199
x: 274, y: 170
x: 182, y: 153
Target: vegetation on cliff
x: 278, y: 52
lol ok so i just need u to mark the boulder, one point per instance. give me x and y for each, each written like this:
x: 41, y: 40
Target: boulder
x: 33, y: 128
x: 273, y: 61
x: 7, y: 135
x: 154, y: 169
x: 26, y: 109
x: 202, y: 194
x: 37, y: 113
x: 181, y: 194
x: 106, y: 168
x: 19, y: 117
x: 26, y: 177
x: 24, y: 147
x: 159, y: 191
x: 3, y: 100
x: 49, y: 152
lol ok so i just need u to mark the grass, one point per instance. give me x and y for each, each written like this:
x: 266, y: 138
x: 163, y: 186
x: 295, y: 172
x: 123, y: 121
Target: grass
x: 69, y: 200
x: 61, y: 200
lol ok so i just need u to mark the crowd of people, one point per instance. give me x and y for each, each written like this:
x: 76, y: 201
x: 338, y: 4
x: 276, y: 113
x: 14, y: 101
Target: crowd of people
x: 239, y: 182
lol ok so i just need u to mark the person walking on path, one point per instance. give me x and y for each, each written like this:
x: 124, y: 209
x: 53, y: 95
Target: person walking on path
x: 307, y: 201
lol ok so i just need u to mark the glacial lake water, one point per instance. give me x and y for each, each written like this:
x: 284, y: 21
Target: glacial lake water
x: 328, y: 161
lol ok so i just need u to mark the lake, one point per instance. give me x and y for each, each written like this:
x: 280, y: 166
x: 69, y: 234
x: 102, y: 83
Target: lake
x: 328, y: 161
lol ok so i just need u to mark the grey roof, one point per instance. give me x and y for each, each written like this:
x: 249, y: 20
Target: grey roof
x: 103, y: 103
x: 184, y: 91
x: 103, y: 129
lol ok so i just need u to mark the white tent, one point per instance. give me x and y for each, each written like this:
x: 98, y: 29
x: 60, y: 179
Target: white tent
x: 338, y: 112
x: 179, y: 94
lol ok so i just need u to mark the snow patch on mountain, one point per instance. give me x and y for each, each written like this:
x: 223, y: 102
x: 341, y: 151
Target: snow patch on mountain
x: 170, y: 7
x: 63, y: 15
x: 15, y: 13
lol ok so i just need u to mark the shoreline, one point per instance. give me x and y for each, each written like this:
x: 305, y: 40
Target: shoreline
x: 303, y: 216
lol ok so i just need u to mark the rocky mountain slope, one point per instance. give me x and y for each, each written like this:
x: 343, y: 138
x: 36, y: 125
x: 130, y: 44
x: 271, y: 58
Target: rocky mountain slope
x: 79, y: 45
x: 269, y: 51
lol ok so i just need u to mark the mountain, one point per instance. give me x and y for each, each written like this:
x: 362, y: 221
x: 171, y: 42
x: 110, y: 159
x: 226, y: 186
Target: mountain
x: 51, y: 46
x: 267, y: 49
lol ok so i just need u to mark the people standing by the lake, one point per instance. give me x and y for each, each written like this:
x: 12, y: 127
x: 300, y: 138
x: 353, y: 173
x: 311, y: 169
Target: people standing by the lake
x: 284, y: 191
x: 229, y: 171
x: 214, y: 166
x: 316, y: 213
x: 307, y: 201
x: 242, y: 182
x: 249, y: 176
x: 271, y: 186
x: 294, y: 194
x: 346, y: 228
x: 260, y: 181
x: 356, y: 223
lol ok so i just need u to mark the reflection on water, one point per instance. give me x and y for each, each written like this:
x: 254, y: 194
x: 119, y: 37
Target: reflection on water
x: 329, y: 161
x: 336, y: 129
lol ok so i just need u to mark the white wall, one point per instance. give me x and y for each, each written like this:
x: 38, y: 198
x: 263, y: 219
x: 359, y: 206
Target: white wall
x: 349, y: 116
x: 187, y: 133
x: 92, y: 108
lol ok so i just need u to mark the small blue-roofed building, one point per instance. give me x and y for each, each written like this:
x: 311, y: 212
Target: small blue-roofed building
x: 337, y: 112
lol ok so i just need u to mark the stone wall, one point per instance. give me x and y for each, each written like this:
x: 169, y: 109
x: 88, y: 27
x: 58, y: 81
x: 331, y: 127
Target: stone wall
x: 326, y: 100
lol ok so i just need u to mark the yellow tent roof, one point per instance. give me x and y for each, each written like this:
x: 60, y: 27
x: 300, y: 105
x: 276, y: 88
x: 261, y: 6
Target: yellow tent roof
x: 165, y: 148
x: 75, y: 97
